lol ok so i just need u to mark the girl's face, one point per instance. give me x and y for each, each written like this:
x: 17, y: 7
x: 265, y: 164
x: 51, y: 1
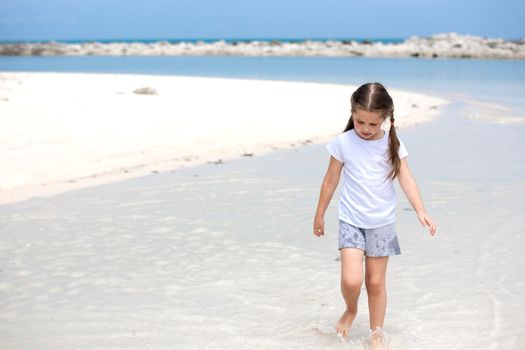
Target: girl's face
x: 368, y: 124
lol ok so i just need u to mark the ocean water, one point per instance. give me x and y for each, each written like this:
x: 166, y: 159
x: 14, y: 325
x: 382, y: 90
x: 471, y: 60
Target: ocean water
x: 491, y: 81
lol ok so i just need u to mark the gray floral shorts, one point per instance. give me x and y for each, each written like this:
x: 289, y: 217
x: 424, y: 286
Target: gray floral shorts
x: 380, y: 241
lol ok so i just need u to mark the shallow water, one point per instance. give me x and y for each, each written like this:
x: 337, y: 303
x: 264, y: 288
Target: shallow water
x: 222, y: 256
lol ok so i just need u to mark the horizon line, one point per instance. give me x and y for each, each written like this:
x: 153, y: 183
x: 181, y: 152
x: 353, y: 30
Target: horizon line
x: 305, y: 38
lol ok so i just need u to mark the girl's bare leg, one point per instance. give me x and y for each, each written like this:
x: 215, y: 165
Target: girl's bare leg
x: 351, y: 281
x: 375, y: 281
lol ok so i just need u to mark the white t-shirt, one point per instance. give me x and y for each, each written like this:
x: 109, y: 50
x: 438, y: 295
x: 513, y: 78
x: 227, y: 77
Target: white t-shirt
x: 367, y: 200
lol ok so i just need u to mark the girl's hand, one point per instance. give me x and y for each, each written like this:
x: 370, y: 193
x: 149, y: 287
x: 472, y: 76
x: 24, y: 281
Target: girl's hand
x: 427, y: 221
x: 318, y: 226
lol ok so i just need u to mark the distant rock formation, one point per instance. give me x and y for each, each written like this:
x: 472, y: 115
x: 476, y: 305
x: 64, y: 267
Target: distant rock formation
x: 449, y: 45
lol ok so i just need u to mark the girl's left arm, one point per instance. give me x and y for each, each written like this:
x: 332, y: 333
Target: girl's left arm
x: 409, y: 187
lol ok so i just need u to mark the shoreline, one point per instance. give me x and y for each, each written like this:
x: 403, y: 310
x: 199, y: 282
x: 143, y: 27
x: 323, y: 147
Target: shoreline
x: 446, y: 45
x: 57, y: 138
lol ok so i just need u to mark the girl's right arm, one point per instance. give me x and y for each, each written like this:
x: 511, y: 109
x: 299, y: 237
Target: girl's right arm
x: 330, y: 182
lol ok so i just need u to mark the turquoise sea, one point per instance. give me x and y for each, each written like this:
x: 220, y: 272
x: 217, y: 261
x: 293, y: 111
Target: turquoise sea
x: 494, y: 81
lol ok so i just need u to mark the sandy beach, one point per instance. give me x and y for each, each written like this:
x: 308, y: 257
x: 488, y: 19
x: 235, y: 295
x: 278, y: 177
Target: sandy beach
x: 67, y: 131
x: 119, y: 228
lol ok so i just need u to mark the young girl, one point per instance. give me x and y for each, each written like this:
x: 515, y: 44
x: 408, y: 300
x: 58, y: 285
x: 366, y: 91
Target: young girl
x: 370, y: 159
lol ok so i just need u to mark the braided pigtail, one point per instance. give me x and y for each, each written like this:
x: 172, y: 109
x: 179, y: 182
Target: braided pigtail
x: 350, y: 124
x: 393, y: 149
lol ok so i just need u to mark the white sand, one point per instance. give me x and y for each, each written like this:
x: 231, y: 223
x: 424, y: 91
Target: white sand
x: 67, y: 131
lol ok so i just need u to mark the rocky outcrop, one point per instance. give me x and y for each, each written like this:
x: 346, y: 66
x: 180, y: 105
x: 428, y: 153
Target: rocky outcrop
x: 449, y: 45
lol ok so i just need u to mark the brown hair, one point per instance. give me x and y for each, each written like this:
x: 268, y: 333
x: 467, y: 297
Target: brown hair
x: 373, y: 97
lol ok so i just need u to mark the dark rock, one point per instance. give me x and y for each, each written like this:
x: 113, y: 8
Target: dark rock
x: 12, y: 50
x: 145, y: 91
x: 219, y: 161
x: 37, y: 51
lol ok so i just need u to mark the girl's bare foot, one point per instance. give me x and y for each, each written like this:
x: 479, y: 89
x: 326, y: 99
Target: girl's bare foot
x: 377, y: 338
x: 345, y: 322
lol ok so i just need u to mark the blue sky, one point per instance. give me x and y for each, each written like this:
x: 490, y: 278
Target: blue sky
x: 119, y: 19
